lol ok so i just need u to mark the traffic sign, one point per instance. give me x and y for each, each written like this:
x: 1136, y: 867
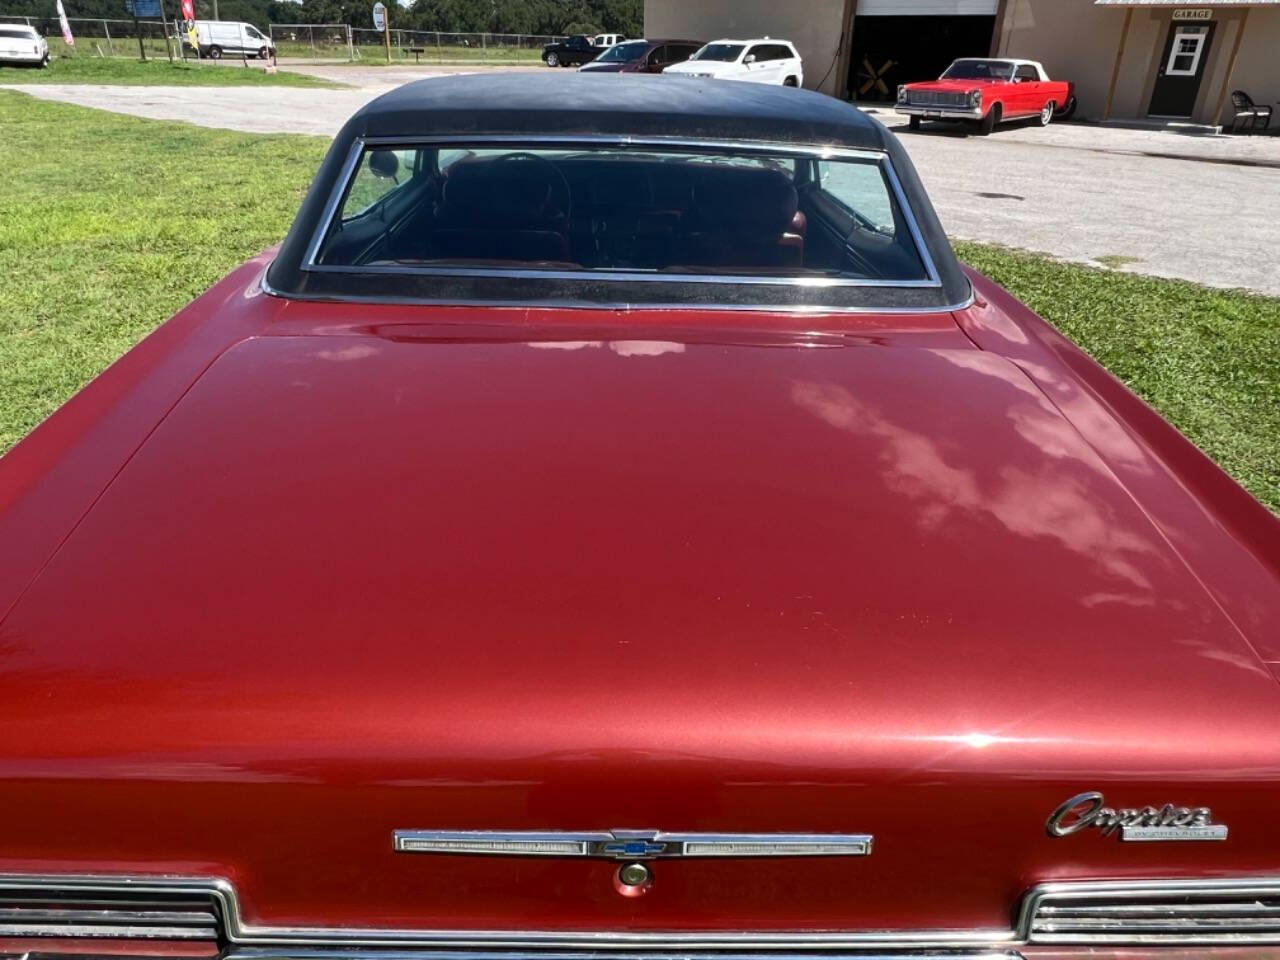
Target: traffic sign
x: 143, y: 8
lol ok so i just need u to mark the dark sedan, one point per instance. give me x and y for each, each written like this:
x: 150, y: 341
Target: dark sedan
x: 642, y: 56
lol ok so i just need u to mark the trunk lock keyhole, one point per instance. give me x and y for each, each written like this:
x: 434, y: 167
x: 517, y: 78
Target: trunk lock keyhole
x: 633, y: 880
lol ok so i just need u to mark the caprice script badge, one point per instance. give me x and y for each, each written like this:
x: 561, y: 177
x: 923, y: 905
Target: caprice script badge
x: 1089, y: 810
x: 631, y: 844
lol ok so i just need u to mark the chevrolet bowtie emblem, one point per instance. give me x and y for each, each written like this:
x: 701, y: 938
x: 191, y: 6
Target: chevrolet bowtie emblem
x: 633, y: 849
x: 630, y: 844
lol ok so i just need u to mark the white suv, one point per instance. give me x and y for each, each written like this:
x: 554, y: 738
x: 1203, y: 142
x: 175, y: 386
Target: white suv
x: 606, y: 40
x: 758, y: 61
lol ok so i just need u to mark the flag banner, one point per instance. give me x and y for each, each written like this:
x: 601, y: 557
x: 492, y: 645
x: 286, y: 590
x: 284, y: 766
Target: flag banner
x: 66, y: 27
x: 189, y: 23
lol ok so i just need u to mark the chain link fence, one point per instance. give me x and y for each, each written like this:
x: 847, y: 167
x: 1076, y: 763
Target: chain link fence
x: 432, y: 46
x: 299, y: 41
x: 101, y: 38
x: 312, y: 41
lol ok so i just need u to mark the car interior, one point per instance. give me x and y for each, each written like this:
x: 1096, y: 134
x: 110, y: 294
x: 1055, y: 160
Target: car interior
x: 617, y: 210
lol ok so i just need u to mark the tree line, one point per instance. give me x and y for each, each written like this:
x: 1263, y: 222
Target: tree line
x: 552, y: 17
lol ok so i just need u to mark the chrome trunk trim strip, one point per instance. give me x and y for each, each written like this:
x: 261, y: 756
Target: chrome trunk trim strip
x: 630, y: 844
x: 1045, y: 912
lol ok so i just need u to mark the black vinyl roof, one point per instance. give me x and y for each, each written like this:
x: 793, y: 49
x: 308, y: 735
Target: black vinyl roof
x: 551, y: 102
x: 527, y: 106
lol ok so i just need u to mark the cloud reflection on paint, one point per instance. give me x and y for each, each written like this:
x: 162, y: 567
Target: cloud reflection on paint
x: 623, y: 348
x: 1048, y: 499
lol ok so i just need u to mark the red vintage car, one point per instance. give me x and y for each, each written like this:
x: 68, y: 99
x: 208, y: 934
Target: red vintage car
x: 985, y: 92
x: 614, y: 523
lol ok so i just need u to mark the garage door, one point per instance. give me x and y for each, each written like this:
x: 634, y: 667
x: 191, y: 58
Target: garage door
x: 926, y: 8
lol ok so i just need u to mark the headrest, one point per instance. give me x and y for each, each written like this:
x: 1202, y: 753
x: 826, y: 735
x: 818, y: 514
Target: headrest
x: 512, y: 194
x: 755, y: 200
x: 622, y: 187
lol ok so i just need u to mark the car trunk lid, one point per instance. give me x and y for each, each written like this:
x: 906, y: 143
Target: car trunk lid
x: 360, y: 584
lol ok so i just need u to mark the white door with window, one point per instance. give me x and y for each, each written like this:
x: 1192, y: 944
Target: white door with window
x: 1182, y: 67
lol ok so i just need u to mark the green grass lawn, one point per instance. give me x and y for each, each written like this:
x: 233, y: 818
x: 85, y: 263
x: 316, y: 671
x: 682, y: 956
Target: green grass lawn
x: 155, y: 72
x: 108, y: 224
x: 1208, y: 360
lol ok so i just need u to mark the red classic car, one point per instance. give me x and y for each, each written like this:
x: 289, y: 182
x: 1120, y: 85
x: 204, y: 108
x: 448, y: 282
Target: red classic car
x: 613, y: 522
x: 987, y: 92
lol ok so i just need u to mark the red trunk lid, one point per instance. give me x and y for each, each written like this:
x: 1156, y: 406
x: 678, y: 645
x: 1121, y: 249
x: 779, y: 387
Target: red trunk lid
x: 355, y: 584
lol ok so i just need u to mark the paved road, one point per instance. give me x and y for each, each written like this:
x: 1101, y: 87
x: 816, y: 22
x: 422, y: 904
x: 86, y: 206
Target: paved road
x: 1168, y: 204
x: 1082, y: 193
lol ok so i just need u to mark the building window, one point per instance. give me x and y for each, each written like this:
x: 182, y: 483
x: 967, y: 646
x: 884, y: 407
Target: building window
x: 1184, y: 55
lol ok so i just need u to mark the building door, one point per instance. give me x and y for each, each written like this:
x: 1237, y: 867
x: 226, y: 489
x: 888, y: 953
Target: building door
x: 1186, y: 52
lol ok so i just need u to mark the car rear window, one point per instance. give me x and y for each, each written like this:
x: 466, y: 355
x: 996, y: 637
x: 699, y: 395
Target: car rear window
x: 16, y: 33
x: 610, y: 209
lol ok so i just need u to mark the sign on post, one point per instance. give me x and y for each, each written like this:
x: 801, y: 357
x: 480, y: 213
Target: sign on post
x: 381, y: 22
x: 145, y: 9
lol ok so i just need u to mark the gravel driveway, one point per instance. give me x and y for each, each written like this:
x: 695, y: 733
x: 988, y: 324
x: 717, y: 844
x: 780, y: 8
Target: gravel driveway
x: 1168, y: 204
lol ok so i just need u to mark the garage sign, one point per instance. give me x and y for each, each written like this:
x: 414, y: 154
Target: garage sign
x: 1193, y: 13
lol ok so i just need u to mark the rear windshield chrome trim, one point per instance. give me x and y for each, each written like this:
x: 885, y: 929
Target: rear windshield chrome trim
x: 623, y: 276
x: 568, y: 303
x: 335, y: 200
x: 482, y: 953
x: 816, y: 152
x: 771, y: 148
x: 238, y: 933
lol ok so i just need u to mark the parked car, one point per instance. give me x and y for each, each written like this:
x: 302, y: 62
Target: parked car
x: 757, y: 61
x: 642, y: 56
x: 20, y: 44
x: 219, y: 38
x: 605, y: 40
x: 985, y: 92
x: 569, y: 52
x: 613, y: 522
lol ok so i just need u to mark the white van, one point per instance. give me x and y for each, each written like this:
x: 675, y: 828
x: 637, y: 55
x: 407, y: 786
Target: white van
x: 219, y: 38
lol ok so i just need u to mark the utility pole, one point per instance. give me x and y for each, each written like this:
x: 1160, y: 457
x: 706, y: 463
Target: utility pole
x: 142, y: 51
x: 164, y: 21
